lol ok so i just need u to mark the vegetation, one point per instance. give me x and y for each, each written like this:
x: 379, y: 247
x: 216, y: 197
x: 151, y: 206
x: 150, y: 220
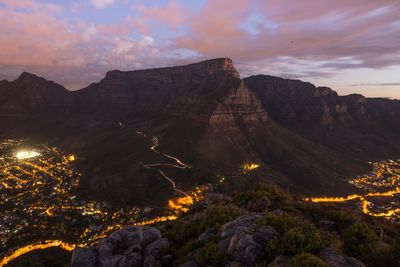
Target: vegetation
x: 276, y: 195
x: 306, y: 260
x: 359, y: 239
x: 182, y: 234
x: 210, y: 254
x: 300, y: 239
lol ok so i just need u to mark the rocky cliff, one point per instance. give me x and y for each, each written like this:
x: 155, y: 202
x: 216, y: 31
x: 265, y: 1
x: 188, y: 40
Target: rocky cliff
x: 352, y: 124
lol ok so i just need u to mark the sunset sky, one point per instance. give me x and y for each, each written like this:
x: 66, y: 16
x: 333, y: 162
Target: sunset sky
x: 349, y: 45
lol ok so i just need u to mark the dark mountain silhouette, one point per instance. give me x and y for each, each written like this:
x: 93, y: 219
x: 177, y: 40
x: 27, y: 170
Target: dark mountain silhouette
x: 306, y: 138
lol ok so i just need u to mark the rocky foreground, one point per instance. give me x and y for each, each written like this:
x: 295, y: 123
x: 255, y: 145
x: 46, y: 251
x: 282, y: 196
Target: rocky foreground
x: 251, y: 229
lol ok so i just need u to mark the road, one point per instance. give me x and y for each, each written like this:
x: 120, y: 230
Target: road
x: 179, y: 164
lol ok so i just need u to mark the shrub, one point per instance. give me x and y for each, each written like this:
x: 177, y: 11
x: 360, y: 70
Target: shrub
x: 282, y: 223
x: 217, y: 215
x: 210, y: 254
x: 300, y: 239
x: 306, y: 260
x: 275, y: 194
x: 359, y: 240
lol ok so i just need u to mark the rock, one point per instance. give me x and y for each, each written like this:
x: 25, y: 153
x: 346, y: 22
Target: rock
x: 223, y: 245
x: 189, y: 264
x: 131, y: 260
x: 248, y: 220
x: 233, y: 264
x: 206, y: 235
x: 167, y: 260
x: 128, y: 247
x: 146, y: 234
x: 84, y: 257
x: 243, y: 248
x: 279, y: 261
x: 192, y: 256
x: 151, y: 261
x: 334, y: 259
x: 259, y: 204
x: 158, y: 248
x: 265, y: 233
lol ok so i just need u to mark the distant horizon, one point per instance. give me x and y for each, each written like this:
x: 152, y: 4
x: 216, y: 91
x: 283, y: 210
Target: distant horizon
x: 337, y: 44
x: 344, y: 91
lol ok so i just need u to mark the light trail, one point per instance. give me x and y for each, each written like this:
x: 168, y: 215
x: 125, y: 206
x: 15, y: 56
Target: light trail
x: 385, y: 175
x: 26, y: 249
x: 180, y: 165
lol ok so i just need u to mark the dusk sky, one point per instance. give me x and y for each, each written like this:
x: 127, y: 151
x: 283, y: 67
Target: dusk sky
x: 349, y: 45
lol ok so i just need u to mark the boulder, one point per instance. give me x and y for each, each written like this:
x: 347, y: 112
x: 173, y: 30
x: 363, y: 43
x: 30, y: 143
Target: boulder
x: 279, y: 261
x: 167, y: 260
x: 247, y: 220
x: 334, y: 259
x: 129, y: 247
x: 151, y: 261
x: 243, y: 248
x: 84, y: 257
x: 259, y: 204
x: 157, y: 248
x: 189, y: 264
x: 206, y: 235
x: 265, y: 233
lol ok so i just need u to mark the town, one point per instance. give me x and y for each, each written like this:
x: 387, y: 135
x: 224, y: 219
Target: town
x: 40, y: 206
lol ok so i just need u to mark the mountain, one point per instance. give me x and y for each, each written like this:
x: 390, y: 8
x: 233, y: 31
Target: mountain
x: 356, y: 125
x: 307, y: 139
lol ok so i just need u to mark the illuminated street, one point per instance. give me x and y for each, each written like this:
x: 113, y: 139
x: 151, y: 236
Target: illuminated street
x: 382, y: 187
x: 40, y: 208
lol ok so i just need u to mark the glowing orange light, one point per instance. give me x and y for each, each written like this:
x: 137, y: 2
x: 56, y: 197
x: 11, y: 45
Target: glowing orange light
x: 250, y: 166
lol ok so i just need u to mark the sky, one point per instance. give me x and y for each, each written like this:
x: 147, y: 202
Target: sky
x: 352, y: 46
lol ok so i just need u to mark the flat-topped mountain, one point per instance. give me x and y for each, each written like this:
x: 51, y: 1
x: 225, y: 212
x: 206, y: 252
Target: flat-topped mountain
x: 305, y: 137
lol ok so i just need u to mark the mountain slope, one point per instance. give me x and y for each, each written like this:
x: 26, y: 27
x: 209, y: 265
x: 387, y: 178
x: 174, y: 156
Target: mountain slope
x: 205, y: 115
x: 362, y: 127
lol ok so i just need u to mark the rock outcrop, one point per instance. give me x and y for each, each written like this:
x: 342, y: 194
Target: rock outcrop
x: 334, y: 259
x: 128, y: 247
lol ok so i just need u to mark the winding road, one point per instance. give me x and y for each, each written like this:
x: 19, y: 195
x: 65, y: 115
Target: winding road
x: 179, y: 164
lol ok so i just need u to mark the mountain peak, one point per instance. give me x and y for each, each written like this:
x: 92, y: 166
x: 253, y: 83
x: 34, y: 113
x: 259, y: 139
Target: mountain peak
x: 206, y: 67
x: 28, y: 77
x: 217, y: 64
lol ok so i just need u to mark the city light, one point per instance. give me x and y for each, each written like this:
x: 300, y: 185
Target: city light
x: 250, y: 166
x: 381, y: 184
x: 26, y: 154
x: 45, y: 188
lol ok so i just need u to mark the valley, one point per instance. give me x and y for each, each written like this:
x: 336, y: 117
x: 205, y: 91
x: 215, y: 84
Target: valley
x: 41, y: 209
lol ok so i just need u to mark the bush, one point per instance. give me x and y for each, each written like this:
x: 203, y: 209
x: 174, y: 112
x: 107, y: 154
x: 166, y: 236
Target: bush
x: 301, y: 239
x: 282, y: 223
x: 306, y: 260
x: 359, y: 240
x: 275, y: 194
x: 210, y: 254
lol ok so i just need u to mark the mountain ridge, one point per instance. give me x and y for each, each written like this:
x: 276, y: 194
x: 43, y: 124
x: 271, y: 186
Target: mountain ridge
x: 206, y: 114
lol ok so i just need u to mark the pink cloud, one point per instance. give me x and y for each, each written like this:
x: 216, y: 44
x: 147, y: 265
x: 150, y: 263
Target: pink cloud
x: 296, y: 38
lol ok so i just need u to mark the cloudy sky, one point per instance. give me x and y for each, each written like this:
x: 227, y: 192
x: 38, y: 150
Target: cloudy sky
x: 349, y: 45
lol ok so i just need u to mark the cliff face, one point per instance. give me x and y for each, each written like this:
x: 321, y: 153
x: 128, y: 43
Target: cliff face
x: 197, y: 91
x: 351, y: 124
